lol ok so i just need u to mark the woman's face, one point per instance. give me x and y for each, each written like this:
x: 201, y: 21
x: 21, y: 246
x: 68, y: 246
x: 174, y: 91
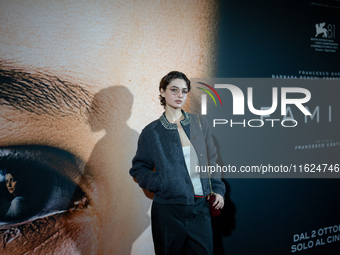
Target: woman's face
x: 175, y: 94
x: 87, y: 47
x: 10, y: 183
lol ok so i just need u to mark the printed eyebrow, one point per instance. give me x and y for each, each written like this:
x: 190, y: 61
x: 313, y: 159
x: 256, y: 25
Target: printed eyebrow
x: 41, y: 93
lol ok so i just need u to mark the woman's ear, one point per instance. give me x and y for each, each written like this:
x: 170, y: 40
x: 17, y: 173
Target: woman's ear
x: 162, y: 92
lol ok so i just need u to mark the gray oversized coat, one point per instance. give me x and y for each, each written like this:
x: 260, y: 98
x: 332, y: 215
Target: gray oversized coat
x: 159, y: 165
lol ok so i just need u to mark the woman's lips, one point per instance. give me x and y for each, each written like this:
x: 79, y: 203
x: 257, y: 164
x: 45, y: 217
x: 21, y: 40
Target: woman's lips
x: 178, y: 101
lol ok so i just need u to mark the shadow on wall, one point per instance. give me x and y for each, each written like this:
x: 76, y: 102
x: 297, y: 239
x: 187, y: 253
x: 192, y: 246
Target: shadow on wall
x: 123, y: 203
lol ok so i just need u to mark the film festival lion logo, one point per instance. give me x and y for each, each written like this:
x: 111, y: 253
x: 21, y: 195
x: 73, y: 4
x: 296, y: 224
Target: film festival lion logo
x: 328, y: 32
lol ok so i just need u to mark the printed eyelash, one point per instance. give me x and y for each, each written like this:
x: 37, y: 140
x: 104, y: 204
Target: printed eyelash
x: 9, y: 233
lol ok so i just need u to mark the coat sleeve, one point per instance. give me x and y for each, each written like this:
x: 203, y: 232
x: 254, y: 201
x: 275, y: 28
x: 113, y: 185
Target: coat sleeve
x: 143, y: 165
x: 16, y: 208
x: 217, y: 184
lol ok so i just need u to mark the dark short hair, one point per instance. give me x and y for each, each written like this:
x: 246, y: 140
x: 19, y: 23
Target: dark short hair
x: 167, y: 79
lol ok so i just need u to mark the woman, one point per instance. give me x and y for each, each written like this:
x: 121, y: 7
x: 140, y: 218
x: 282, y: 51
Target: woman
x: 17, y: 204
x: 180, y: 218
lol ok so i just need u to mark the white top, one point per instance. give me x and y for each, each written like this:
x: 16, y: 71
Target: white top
x: 191, y: 161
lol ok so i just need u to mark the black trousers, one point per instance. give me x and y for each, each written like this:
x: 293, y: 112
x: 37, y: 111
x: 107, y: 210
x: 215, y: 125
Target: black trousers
x: 182, y: 229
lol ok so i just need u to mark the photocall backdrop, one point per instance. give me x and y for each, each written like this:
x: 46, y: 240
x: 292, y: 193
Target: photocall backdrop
x: 291, y: 44
x: 79, y: 81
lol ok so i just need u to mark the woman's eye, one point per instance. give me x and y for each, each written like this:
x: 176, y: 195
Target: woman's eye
x: 46, y: 182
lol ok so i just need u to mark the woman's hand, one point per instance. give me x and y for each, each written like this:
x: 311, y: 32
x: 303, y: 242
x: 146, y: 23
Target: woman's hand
x: 219, y: 201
